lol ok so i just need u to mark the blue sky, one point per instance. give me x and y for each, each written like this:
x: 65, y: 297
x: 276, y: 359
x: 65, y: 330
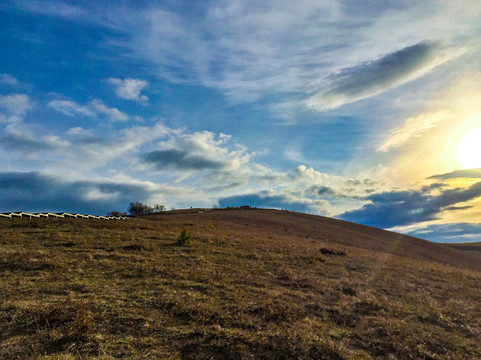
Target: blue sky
x: 349, y: 109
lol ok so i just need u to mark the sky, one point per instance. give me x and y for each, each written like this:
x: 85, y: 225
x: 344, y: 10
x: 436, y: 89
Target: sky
x: 364, y: 111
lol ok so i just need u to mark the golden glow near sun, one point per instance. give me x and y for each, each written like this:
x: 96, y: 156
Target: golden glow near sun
x: 469, y: 150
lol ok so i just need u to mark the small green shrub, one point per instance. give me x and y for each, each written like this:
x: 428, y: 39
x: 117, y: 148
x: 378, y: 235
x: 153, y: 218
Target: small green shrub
x: 184, y: 237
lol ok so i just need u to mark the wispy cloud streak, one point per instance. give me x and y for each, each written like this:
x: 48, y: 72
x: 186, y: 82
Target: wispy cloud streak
x: 371, y: 78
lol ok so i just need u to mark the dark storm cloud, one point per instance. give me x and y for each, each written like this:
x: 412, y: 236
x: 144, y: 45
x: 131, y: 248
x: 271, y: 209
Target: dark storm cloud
x: 396, y: 208
x: 371, y: 78
x: 36, y: 192
x: 180, y: 159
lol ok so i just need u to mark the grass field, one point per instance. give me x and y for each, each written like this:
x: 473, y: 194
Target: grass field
x: 249, y: 284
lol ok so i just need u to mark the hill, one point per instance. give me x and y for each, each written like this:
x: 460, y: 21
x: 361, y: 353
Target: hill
x: 466, y: 246
x: 299, y: 227
x: 260, y: 284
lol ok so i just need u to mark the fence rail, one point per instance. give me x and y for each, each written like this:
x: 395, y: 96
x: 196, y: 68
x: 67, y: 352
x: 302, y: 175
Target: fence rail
x: 49, y: 215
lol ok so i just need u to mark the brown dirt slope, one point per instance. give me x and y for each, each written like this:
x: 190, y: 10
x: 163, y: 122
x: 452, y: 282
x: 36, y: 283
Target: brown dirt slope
x: 473, y: 248
x: 245, y: 284
x: 467, y: 246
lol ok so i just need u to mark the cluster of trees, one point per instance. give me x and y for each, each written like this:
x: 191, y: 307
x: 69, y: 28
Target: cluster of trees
x: 137, y: 208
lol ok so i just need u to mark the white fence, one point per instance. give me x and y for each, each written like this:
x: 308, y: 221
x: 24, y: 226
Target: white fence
x: 64, y: 215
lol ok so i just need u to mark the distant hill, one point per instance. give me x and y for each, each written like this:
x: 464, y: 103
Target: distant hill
x: 233, y: 284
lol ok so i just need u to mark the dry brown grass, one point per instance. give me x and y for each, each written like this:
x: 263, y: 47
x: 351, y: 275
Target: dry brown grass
x: 249, y: 285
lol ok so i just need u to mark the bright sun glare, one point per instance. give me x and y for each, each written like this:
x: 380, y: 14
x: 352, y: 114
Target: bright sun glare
x: 469, y: 150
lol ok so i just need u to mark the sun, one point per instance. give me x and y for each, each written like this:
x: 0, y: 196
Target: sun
x: 469, y: 150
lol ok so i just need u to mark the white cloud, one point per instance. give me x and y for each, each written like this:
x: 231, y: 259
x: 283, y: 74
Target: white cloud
x: 53, y: 8
x: 79, y: 131
x: 97, y: 152
x: 95, y: 107
x: 198, y: 151
x: 23, y: 143
x: 16, y: 104
x: 130, y: 89
x: 251, y: 50
x: 414, y: 127
x: 243, y: 48
x: 15, y: 107
x: 114, y: 114
x: 212, y: 164
x: 6, y: 79
x: 106, y: 14
x: 70, y: 108
x: 55, y: 141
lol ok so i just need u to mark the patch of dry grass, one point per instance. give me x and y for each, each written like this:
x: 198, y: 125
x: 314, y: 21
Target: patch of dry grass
x: 241, y: 288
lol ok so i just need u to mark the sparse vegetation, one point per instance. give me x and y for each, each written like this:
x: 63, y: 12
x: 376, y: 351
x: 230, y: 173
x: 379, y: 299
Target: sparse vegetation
x: 327, y: 251
x: 74, y: 289
x: 184, y: 237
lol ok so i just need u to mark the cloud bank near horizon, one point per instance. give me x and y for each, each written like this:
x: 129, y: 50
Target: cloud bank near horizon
x: 398, y: 208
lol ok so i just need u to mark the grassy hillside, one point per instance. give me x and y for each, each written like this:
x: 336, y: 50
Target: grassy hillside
x: 250, y: 284
x: 466, y: 246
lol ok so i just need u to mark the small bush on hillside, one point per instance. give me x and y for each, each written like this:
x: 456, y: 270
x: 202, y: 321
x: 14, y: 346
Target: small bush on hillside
x: 184, y: 237
x: 116, y: 213
x: 326, y: 251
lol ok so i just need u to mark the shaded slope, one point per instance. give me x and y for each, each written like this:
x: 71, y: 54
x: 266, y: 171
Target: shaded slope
x: 472, y: 248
